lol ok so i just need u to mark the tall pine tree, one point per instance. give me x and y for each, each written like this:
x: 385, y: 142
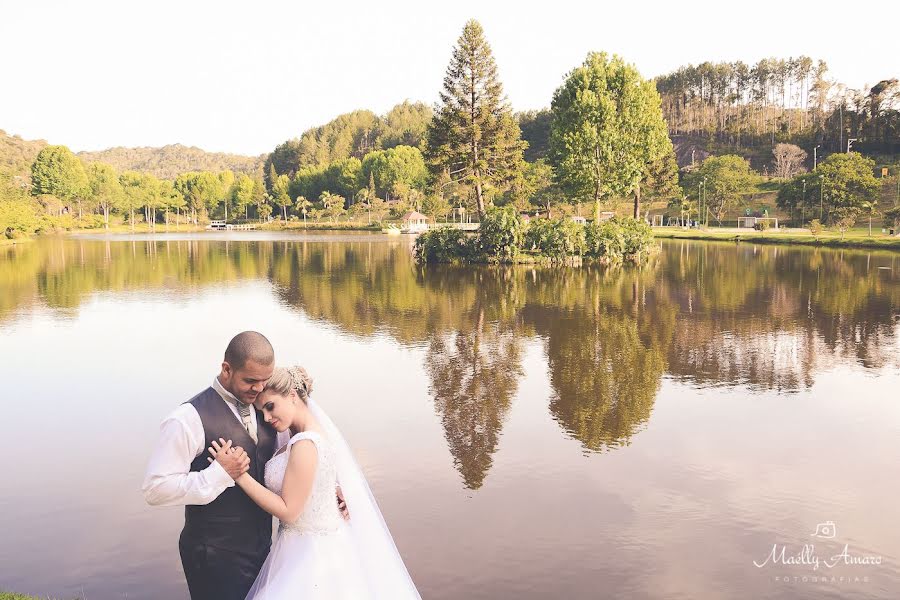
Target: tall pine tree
x: 474, y: 136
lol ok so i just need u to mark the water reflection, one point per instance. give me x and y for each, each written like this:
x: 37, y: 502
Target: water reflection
x: 707, y: 314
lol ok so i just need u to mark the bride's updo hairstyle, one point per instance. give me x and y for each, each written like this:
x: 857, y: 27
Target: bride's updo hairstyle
x: 292, y: 378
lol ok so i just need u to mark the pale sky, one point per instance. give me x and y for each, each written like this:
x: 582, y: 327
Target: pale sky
x: 244, y: 77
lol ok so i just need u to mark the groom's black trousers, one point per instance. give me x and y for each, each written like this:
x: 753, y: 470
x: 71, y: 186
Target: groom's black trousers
x: 216, y: 574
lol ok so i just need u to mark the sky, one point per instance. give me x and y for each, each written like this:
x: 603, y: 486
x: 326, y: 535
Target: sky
x: 242, y: 77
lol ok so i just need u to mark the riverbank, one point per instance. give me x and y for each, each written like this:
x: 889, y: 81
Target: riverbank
x: 8, y: 242
x: 300, y: 226
x: 825, y: 239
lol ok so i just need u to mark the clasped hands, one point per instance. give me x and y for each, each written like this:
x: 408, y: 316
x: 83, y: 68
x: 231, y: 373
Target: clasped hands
x: 236, y: 462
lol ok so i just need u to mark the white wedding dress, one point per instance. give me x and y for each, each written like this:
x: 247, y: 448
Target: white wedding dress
x: 321, y: 556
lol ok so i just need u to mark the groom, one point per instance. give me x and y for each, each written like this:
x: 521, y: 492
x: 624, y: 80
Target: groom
x: 226, y: 536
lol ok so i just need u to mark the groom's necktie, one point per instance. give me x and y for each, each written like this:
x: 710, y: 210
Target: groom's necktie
x: 244, y: 411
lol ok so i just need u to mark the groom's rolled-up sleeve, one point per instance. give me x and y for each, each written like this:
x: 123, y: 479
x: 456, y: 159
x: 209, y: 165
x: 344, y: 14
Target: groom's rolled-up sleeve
x: 169, y: 480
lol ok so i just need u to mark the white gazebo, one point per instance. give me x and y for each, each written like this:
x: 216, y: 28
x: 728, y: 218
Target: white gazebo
x: 413, y: 222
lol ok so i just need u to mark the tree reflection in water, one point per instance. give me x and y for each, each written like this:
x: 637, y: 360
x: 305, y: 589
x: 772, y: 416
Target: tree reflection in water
x: 707, y: 314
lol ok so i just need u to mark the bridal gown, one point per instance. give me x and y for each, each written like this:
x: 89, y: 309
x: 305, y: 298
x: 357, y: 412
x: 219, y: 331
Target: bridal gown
x: 318, y: 557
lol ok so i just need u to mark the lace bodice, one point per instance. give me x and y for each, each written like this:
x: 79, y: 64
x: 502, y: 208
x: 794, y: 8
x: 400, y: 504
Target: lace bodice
x: 321, y: 514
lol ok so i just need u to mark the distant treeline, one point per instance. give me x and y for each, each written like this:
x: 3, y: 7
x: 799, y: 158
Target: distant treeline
x: 366, y: 166
x: 787, y: 100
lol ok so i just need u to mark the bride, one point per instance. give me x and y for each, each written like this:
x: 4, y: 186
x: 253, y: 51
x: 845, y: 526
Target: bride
x: 317, y: 554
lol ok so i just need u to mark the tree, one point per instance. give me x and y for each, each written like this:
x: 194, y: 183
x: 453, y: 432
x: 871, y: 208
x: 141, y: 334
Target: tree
x: 535, y: 187
x: 788, y: 160
x: 152, y: 196
x: 844, y: 217
x: 802, y: 193
x: 174, y: 201
x: 725, y: 179
x: 892, y: 219
x: 280, y: 193
x: 848, y: 180
x: 343, y: 176
x: 58, y: 172
x: 105, y: 188
x: 474, y: 136
x: 435, y: 205
x: 607, y: 128
x: 242, y: 194
x: 223, y: 193
x: 405, y: 125
x: 332, y: 205
x: 272, y: 177
x: 535, y: 127
x: 302, y: 205
x: 870, y: 208
x: 134, y: 193
x: 395, y: 171
x: 201, y: 191
x: 661, y: 177
x: 263, y: 208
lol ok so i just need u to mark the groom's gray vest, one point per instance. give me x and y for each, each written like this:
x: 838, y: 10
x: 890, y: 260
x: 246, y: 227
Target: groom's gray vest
x: 232, y: 521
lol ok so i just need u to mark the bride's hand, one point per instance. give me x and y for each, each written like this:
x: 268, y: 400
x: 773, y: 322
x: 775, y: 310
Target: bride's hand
x: 233, y: 459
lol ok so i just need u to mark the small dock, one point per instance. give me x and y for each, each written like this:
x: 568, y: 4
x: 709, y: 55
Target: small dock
x: 223, y: 226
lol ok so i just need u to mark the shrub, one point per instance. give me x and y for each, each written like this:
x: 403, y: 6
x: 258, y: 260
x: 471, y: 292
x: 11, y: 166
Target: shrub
x: 815, y: 227
x: 55, y: 224
x: 556, y: 238
x: 444, y: 245
x: 761, y: 226
x: 605, y: 240
x: 90, y: 221
x: 17, y: 219
x: 500, y: 234
x: 637, y: 235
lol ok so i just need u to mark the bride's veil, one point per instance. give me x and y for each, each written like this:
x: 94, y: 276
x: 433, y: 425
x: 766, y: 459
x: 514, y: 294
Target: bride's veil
x: 382, y: 563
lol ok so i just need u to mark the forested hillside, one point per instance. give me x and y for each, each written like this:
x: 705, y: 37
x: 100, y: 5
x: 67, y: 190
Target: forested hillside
x: 781, y: 100
x: 171, y: 161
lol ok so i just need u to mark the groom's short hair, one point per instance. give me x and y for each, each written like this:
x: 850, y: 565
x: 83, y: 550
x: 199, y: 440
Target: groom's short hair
x: 249, y: 345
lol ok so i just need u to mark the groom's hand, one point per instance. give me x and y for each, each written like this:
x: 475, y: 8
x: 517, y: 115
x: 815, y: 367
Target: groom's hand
x: 234, y: 460
x: 342, y: 504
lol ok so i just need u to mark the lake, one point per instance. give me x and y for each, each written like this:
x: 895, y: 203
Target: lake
x: 720, y: 422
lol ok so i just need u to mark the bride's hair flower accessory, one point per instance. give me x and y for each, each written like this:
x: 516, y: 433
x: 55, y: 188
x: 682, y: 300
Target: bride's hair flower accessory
x: 302, y: 381
x: 292, y: 378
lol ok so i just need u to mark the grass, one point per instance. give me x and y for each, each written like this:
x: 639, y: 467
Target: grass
x: 318, y: 226
x: 143, y: 228
x: 854, y: 238
x: 15, y: 596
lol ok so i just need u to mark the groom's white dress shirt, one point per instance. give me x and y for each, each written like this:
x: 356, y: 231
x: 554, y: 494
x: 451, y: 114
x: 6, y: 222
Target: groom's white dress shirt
x: 169, y: 480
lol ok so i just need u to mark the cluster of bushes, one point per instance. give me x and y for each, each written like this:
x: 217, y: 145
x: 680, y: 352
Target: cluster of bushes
x: 20, y: 219
x: 504, y: 237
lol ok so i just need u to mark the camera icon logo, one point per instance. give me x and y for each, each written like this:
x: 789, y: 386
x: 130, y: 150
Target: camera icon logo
x: 825, y: 530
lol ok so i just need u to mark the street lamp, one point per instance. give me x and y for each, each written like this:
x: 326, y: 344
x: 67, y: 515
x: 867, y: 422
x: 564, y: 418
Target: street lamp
x: 803, y: 204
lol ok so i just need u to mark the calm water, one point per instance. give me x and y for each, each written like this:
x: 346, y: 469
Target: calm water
x: 530, y: 433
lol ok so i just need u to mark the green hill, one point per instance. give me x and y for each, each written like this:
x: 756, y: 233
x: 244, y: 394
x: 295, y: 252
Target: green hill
x: 170, y: 161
